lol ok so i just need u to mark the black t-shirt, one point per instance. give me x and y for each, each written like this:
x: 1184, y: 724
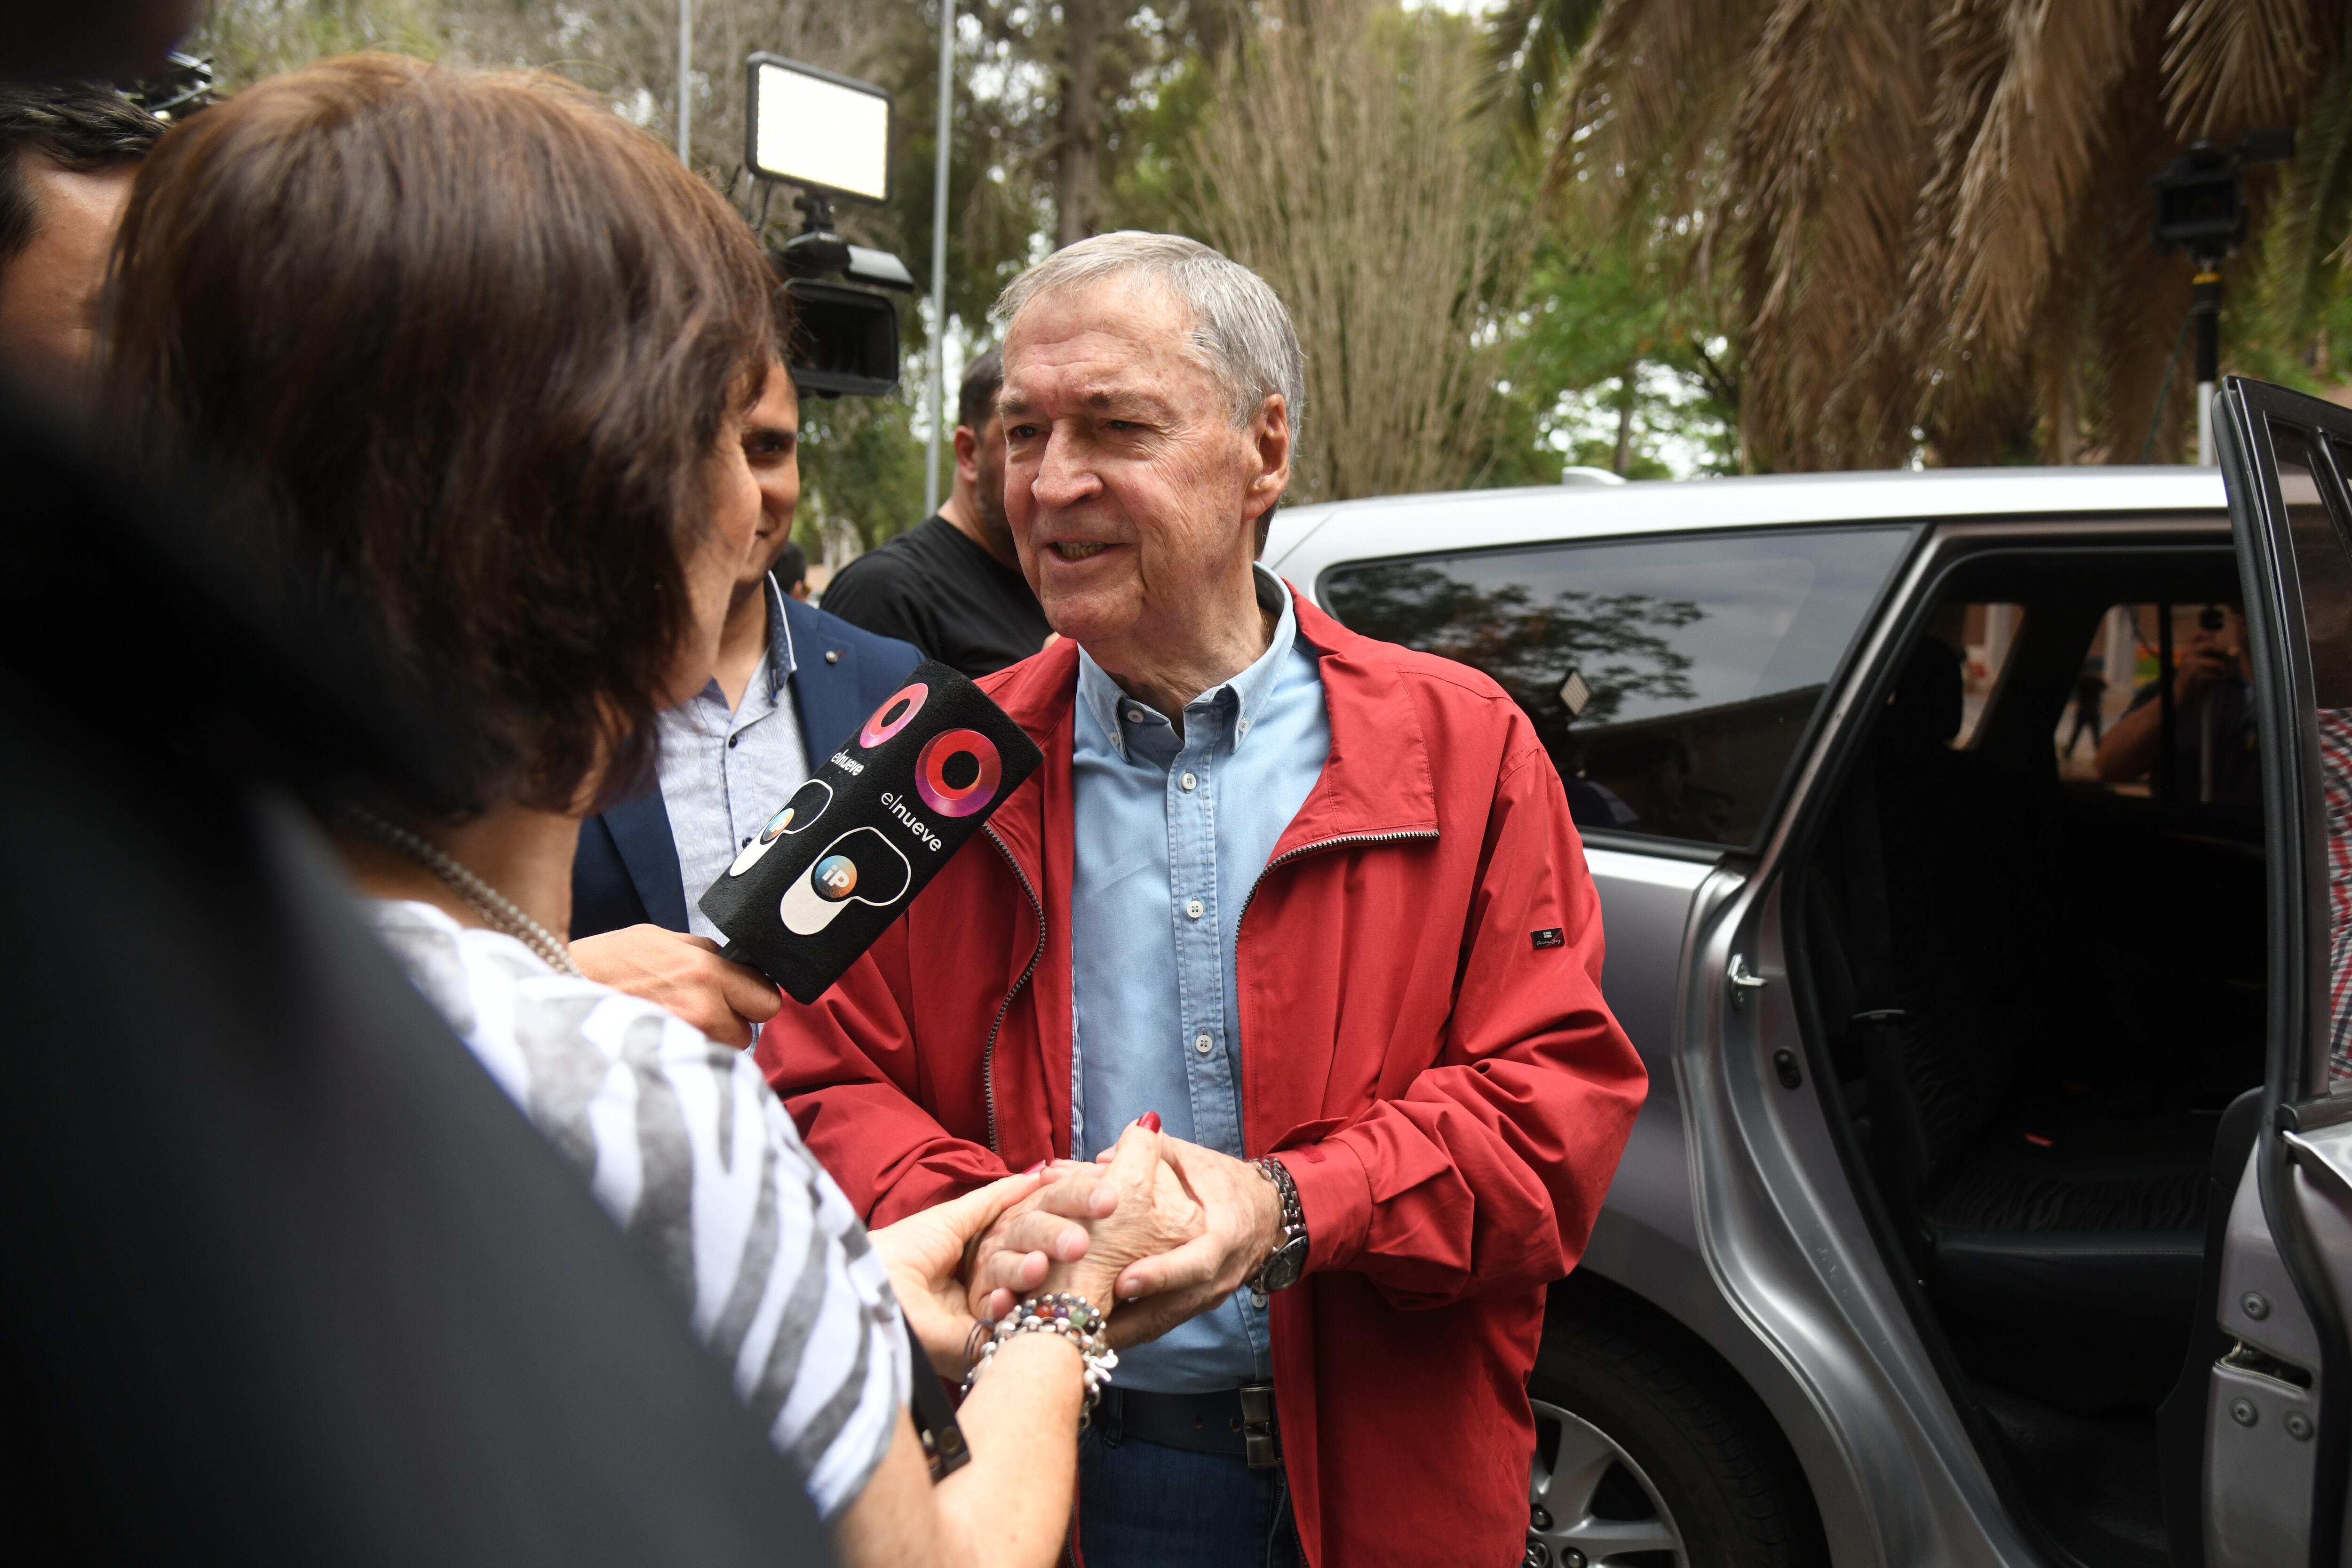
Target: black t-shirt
x: 935, y: 588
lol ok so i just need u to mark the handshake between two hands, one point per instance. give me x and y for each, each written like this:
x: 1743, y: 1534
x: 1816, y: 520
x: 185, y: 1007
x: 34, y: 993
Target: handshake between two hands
x: 1153, y: 1231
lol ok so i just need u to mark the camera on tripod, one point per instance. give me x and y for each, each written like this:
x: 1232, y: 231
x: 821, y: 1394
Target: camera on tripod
x: 2200, y: 202
x: 829, y: 135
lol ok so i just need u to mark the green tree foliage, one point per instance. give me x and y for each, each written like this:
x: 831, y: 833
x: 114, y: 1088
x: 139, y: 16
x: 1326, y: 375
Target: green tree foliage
x: 1612, y: 366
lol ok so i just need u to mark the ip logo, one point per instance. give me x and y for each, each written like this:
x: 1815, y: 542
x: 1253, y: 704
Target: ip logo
x: 861, y: 867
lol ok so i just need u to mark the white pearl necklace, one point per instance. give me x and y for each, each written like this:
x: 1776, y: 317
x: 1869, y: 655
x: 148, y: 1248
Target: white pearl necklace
x: 496, y: 909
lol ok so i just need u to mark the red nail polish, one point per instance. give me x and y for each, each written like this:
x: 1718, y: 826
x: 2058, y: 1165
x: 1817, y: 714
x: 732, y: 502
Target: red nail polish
x: 1035, y: 1169
x: 1151, y: 1121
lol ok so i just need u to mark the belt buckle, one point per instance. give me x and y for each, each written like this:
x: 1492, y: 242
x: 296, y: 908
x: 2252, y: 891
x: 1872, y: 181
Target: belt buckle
x: 1261, y: 1442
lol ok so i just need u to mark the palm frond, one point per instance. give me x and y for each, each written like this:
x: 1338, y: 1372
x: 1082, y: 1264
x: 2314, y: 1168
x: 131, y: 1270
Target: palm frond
x: 1647, y: 65
x: 2317, y: 218
x: 1531, y: 47
x: 2230, y: 64
x: 2026, y: 131
x: 1825, y: 136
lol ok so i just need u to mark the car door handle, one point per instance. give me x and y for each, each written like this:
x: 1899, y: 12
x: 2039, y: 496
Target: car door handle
x: 2317, y: 1166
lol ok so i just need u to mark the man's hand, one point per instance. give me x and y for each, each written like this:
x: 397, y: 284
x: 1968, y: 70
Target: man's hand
x: 1135, y: 1208
x: 684, y: 975
x: 923, y: 1252
x: 1243, y: 1213
x: 1086, y: 1225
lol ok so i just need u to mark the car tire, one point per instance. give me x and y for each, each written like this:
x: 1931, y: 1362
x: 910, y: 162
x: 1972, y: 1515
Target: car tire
x: 1650, y: 1453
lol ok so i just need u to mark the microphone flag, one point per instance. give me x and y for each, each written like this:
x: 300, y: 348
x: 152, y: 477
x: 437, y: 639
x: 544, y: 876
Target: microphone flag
x: 848, y: 852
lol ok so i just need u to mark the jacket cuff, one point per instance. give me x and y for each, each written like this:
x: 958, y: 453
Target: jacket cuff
x: 1335, y: 1197
x: 936, y: 1178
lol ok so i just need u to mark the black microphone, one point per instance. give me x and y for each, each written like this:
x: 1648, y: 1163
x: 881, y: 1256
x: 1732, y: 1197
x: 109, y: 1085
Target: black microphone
x: 849, y: 851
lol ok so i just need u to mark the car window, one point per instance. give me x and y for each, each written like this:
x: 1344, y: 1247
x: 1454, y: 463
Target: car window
x: 1670, y: 679
x: 1985, y: 634
x: 2108, y: 734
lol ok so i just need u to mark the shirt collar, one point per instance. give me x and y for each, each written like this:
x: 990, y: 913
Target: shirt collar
x: 1099, y: 695
x: 782, y: 664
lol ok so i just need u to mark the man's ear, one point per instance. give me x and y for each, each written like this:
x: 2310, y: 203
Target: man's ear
x: 1270, y: 441
x: 967, y: 454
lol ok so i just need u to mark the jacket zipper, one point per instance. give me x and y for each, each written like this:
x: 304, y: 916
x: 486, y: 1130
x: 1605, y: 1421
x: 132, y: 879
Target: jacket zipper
x: 988, y: 1055
x: 1321, y: 843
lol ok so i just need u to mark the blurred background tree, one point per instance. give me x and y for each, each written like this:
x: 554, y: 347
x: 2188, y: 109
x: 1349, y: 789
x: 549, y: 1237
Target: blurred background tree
x: 1344, y: 161
x: 1925, y: 222
x: 1656, y: 236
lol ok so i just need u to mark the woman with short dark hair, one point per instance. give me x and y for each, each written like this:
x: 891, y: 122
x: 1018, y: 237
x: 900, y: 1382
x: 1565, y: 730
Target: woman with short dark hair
x: 476, y: 349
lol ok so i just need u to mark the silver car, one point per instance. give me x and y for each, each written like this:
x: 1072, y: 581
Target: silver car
x: 1976, y: 850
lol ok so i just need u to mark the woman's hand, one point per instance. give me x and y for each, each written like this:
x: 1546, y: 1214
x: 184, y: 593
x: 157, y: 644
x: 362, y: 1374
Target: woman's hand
x: 923, y: 1253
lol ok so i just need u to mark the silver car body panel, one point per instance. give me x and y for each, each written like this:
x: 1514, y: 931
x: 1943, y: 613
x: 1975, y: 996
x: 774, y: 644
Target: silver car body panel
x: 1732, y: 1211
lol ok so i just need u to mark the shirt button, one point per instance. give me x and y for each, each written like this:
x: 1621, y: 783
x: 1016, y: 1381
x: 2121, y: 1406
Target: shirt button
x: 1187, y: 781
x: 1202, y: 1044
x: 746, y: 844
x: 1135, y: 715
x: 1196, y: 909
x: 732, y: 740
x: 1243, y: 727
x: 833, y: 656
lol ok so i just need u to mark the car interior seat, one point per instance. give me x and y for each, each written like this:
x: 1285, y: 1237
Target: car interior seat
x: 2059, y: 1242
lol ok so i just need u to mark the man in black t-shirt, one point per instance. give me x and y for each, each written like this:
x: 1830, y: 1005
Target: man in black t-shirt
x: 951, y: 585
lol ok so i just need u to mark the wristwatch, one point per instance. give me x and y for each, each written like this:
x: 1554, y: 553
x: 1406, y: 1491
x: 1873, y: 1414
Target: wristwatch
x: 1284, y: 1265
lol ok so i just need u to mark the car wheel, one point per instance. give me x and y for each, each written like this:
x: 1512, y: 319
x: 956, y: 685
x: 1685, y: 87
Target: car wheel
x: 1645, y: 1458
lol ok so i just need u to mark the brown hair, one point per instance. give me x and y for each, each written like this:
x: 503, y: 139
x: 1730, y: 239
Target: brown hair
x: 84, y: 129
x: 467, y: 341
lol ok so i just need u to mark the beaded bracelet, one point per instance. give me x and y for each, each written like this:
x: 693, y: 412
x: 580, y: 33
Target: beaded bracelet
x: 1074, y: 1319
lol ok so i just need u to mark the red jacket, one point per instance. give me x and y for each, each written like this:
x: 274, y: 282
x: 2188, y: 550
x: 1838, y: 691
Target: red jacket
x: 1448, y: 1089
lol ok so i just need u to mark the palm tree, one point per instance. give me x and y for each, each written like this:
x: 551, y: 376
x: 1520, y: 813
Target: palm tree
x: 1929, y: 218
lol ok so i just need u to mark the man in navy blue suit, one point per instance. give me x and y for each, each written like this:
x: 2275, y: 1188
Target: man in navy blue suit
x: 791, y: 683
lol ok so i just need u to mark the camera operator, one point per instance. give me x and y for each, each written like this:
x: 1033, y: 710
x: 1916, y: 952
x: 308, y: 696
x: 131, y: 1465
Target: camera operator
x: 2211, y: 695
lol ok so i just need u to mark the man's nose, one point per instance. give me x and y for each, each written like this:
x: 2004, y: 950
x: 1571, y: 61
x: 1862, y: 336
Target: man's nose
x: 1065, y: 476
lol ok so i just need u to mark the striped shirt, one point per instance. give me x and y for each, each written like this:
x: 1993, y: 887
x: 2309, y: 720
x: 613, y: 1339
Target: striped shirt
x: 2336, y: 800
x: 688, y: 1149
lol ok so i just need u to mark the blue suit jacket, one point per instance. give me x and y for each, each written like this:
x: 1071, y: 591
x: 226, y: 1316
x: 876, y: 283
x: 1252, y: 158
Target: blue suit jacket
x: 626, y: 872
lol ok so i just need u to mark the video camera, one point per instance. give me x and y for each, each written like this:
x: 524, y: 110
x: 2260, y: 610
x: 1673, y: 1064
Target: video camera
x: 829, y: 135
x: 2201, y: 203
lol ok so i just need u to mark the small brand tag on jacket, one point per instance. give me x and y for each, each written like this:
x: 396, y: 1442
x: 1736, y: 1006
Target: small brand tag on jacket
x: 1551, y: 936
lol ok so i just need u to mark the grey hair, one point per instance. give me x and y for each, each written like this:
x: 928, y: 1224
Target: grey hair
x: 1240, y: 329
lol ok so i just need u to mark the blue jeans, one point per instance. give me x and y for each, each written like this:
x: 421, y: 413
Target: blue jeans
x: 1143, y: 1506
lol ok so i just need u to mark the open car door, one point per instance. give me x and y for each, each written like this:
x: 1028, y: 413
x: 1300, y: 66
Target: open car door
x: 2278, y: 1431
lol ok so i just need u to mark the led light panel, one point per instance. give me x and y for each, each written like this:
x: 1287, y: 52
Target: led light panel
x: 812, y: 129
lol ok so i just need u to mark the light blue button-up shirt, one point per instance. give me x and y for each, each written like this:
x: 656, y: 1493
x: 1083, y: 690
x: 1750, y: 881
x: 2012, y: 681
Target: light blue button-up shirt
x: 1171, y: 835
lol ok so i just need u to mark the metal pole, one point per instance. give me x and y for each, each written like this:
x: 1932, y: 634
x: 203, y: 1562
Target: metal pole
x: 939, y: 262
x: 2205, y: 309
x: 2160, y: 775
x: 685, y: 82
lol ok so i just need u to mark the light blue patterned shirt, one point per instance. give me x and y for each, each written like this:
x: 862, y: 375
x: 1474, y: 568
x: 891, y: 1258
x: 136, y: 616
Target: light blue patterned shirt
x: 1171, y: 835
x: 725, y: 770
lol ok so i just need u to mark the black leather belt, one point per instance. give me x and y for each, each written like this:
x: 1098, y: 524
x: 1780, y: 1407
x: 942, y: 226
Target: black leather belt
x: 1235, y: 1422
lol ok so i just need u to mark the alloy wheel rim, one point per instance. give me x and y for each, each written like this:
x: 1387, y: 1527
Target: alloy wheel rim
x: 1560, y: 1498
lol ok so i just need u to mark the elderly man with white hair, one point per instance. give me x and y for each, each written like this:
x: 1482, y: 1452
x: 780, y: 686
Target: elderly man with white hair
x: 1311, y: 904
